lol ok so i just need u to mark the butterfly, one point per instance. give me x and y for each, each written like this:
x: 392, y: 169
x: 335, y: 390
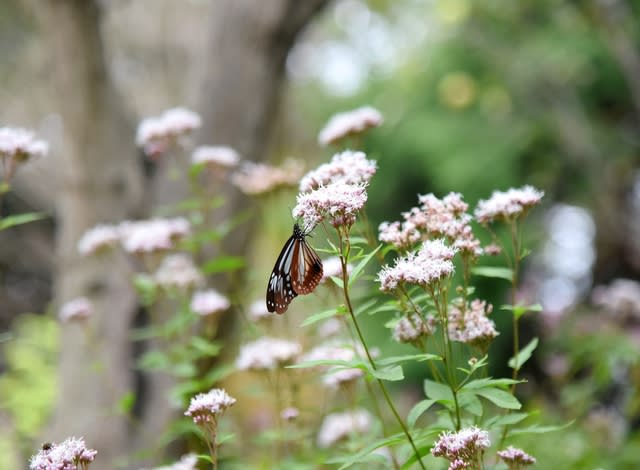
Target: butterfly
x: 298, y: 271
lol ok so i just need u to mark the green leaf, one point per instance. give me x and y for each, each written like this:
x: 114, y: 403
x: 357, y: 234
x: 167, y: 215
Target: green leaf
x: 20, y: 219
x: 205, y: 347
x: 535, y: 429
x: 154, y: 360
x: 359, y: 456
x: 489, y: 382
x: 223, y: 264
x: 524, y: 355
x: 493, y: 271
x: 506, y: 420
x: 418, y: 410
x: 337, y: 281
x: 356, y: 271
x: 125, y: 403
x: 499, y: 398
x: 407, y: 358
x: 316, y: 317
x: 438, y: 392
x: 519, y: 310
x: 391, y: 374
x: 470, y: 402
x: 365, y: 306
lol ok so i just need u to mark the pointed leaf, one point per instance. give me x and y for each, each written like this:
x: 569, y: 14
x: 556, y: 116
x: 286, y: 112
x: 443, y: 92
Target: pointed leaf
x: 500, y: 398
x: 524, y: 355
x: 418, y: 410
x: 494, y: 272
x: 360, y: 266
x: 391, y: 374
x: 19, y: 219
x: 316, y: 317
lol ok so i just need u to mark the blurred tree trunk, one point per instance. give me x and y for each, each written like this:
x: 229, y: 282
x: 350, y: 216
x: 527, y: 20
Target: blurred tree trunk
x: 100, y: 182
x: 248, y: 46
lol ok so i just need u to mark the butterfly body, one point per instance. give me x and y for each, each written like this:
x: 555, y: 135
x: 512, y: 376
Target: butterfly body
x: 298, y: 271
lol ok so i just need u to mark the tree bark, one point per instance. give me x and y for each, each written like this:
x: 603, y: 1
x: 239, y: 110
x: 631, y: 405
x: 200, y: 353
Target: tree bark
x: 100, y: 182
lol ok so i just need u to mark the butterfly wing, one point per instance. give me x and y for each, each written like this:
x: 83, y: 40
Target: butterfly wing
x: 306, y: 269
x: 280, y: 290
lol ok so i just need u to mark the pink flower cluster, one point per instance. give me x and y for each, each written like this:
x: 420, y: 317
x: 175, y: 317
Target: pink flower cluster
x: 177, y: 271
x: 141, y: 236
x: 340, y: 202
x: 507, y: 205
x: 412, y: 328
x: 470, y: 324
x: 463, y: 448
x: 156, y: 134
x: 430, y: 264
x: 515, y: 458
x: 434, y: 217
x: 267, y: 353
x: 258, y: 178
x: 186, y: 462
x: 349, y: 124
x: 208, y: 407
x: 70, y: 454
x: 346, y: 167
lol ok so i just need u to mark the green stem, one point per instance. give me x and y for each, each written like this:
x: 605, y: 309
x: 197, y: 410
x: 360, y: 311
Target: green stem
x: 345, y: 282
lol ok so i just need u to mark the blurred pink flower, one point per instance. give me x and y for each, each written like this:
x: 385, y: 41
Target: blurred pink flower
x: 348, y: 124
x: 20, y: 144
x: 76, y: 310
x: 148, y: 236
x: 338, y: 426
x: 177, y: 271
x: 209, y: 302
x: 259, y: 178
x: 515, y: 458
x: 346, y: 167
x: 220, y: 156
x: 507, y: 205
x: 98, y: 238
x: 471, y: 324
x: 156, y: 134
x: 267, y: 353
x: 412, y: 328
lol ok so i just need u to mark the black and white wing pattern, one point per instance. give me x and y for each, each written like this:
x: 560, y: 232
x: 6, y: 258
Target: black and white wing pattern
x: 298, y: 270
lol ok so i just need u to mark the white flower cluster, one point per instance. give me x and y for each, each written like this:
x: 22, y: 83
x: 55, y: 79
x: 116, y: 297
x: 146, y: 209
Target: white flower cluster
x: 431, y: 263
x: 507, y: 205
x: 209, y: 302
x: 218, y: 156
x: 345, y: 167
x: 186, y: 462
x: 471, y: 324
x: 515, y: 458
x: 462, y: 448
x: 76, y: 310
x: 340, y: 202
x: 349, y: 124
x: 446, y: 217
x: 258, y: 178
x: 267, y: 353
x: 69, y: 454
x: 338, y: 426
x: 20, y: 144
x: 177, y: 271
x: 412, y: 328
x: 141, y: 236
x: 335, y: 376
x: 155, y: 134
x: 208, y: 407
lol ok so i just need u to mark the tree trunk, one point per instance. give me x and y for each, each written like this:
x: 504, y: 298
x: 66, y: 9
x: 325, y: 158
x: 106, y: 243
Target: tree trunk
x: 100, y: 182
